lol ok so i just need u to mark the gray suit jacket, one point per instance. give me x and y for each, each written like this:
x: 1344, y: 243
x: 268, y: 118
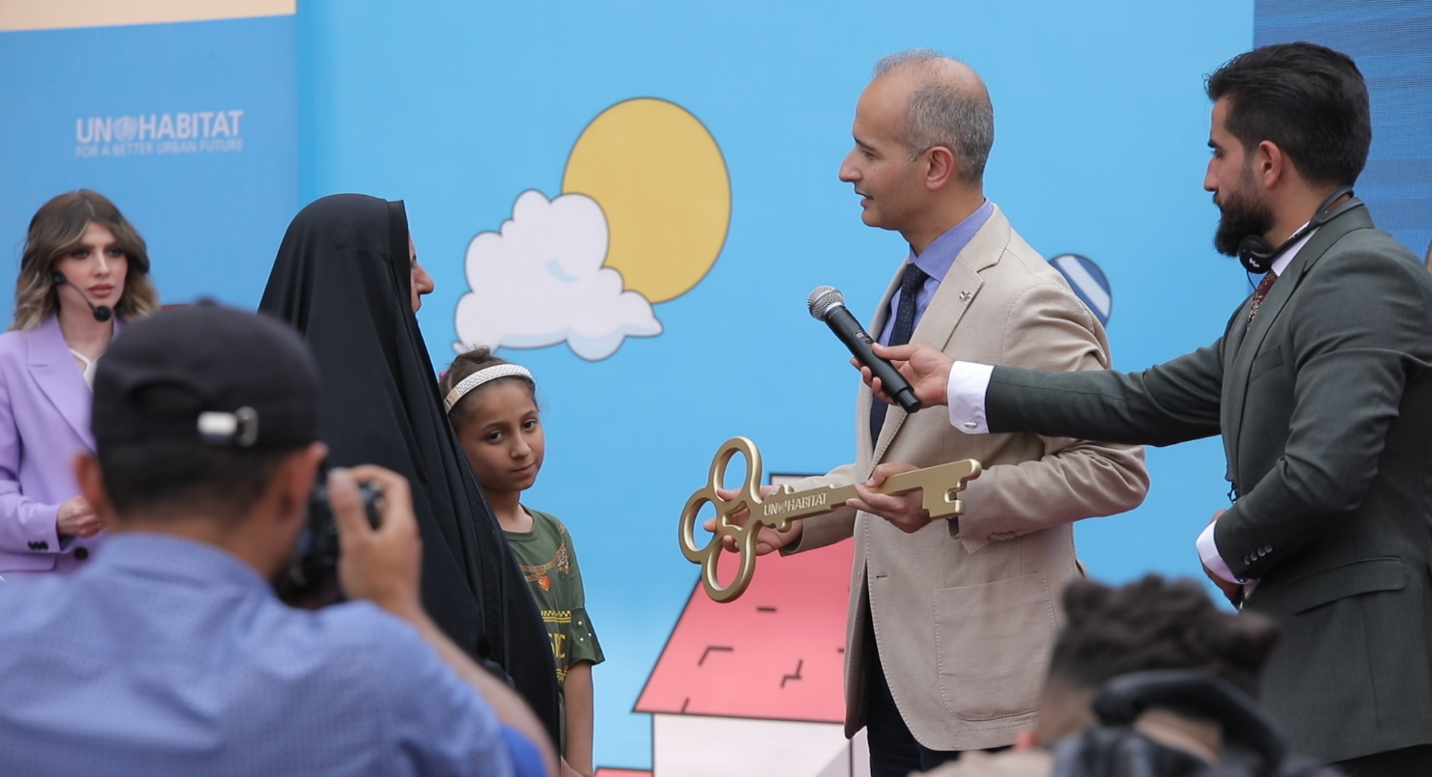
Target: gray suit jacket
x: 965, y: 621
x: 1325, y: 406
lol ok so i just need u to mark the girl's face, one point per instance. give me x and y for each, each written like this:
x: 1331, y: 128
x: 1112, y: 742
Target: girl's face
x: 502, y: 436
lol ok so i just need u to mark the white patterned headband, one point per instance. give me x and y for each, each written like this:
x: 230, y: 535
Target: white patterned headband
x: 480, y: 377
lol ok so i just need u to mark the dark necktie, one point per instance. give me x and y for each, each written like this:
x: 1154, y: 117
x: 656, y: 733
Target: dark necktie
x: 910, y: 286
x: 1259, y: 294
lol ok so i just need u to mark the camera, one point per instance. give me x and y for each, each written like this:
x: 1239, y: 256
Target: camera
x: 314, y: 565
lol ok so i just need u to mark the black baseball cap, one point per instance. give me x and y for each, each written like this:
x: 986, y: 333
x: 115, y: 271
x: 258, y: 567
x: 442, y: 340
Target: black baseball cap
x: 207, y: 374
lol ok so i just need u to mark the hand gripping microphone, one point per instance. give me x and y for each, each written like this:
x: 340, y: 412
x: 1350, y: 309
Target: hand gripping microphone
x: 828, y: 305
x: 102, y: 313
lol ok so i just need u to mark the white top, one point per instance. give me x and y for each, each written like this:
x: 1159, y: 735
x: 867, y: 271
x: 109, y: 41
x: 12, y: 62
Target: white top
x: 89, y: 367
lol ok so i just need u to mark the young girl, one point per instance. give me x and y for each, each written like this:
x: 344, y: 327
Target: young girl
x: 492, y: 404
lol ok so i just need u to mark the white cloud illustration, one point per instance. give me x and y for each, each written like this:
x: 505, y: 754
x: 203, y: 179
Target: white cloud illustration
x: 540, y: 282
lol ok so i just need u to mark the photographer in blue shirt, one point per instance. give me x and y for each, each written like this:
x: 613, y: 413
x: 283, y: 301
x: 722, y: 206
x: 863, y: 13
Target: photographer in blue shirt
x: 169, y: 654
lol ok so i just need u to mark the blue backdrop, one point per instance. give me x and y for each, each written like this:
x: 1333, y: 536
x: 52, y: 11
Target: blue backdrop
x: 458, y: 108
x: 1101, y: 131
x: 1391, y: 42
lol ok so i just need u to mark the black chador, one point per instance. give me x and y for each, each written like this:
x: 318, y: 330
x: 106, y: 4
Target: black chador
x: 342, y: 278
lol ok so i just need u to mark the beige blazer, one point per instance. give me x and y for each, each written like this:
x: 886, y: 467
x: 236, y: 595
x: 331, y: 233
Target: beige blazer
x: 964, y: 614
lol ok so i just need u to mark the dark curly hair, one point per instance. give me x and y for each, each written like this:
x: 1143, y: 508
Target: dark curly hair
x: 1156, y: 624
x: 466, y: 364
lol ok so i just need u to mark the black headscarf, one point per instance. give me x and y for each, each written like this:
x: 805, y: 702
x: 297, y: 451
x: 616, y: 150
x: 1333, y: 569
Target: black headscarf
x: 343, y: 278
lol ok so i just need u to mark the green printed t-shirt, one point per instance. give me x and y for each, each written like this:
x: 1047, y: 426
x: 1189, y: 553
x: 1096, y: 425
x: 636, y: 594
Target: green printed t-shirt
x: 549, y: 562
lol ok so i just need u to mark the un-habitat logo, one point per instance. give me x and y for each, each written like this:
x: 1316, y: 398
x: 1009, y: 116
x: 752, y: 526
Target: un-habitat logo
x: 200, y: 132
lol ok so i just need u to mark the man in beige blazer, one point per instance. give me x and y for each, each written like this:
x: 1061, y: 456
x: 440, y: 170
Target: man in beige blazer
x: 957, y: 619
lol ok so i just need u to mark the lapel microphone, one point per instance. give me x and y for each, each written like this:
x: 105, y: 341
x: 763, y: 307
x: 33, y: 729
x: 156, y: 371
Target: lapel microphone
x: 102, y: 313
x: 1257, y: 256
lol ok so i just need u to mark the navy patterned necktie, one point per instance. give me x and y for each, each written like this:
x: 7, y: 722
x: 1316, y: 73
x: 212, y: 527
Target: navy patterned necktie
x: 910, y: 286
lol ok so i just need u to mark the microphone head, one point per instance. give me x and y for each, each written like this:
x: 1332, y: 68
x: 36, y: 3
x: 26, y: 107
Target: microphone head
x: 103, y: 313
x: 823, y: 300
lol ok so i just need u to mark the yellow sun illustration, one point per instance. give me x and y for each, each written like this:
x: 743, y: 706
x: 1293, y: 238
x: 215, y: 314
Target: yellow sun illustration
x: 662, y: 183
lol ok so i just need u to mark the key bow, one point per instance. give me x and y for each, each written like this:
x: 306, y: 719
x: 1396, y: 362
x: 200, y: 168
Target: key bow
x: 744, y: 537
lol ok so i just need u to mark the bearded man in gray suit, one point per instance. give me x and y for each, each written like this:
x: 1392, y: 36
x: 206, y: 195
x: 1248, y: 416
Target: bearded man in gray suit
x: 1321, y: 386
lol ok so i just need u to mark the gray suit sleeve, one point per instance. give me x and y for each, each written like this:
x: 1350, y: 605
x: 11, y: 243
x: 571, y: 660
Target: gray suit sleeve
x: 1172, y: 402
x: 1071, y: 479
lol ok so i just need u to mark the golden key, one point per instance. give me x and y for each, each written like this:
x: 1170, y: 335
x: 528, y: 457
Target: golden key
x: 938, y: 485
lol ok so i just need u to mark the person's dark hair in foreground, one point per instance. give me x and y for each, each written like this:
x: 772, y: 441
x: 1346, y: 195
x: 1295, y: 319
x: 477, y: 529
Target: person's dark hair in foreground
x: 344, y: 279
x: 1151, y: 679
x: 1153, y: 624
x: 169, y: 654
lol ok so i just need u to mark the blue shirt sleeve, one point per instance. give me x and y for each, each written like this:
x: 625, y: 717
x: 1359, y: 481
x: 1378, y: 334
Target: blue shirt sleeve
x: 436, y: 723
x: 526, y: 759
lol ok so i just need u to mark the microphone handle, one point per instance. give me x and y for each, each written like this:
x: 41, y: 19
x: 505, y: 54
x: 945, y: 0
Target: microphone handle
x: 850, y: 332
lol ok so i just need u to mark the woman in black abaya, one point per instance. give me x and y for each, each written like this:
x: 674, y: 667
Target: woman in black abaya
x: 344, y: 277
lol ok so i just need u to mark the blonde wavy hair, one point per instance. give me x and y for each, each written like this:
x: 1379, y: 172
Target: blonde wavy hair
x: 55, y: 230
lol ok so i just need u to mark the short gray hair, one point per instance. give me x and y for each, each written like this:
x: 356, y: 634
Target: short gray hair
x: 941, y: 113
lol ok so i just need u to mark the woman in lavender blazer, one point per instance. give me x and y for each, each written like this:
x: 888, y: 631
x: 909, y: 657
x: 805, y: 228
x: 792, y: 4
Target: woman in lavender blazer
x: 84, y: 271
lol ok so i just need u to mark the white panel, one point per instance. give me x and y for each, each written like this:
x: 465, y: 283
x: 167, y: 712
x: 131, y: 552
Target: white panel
x: 839, y: 766
x: 65, y: 14
x: 697, y: 746
x: 860, y: 754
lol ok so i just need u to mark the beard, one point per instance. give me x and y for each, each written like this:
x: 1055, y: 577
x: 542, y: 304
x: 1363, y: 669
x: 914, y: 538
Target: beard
x: 1242, y: 215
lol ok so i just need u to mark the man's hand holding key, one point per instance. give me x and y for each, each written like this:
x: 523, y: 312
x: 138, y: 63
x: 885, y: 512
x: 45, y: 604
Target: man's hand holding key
x: 911, y: 498
x: 905, y: 511
x: 768, y: 538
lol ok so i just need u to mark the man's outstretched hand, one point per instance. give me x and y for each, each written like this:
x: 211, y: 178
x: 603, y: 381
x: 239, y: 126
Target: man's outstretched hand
x: 927, y: 370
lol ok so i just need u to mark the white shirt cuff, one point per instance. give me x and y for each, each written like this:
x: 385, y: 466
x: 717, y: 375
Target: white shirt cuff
x: 1208, y: 551
x: 965, y: 396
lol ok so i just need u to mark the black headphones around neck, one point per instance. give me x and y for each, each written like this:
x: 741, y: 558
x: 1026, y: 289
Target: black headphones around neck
x: 1258, y: 257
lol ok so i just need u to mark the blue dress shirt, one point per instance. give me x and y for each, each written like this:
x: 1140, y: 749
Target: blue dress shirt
x: 936, y: 260
x: 172, y: 657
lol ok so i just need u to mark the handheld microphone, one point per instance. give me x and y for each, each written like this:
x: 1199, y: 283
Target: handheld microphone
x: 828, y: 305
x: 102, y: 313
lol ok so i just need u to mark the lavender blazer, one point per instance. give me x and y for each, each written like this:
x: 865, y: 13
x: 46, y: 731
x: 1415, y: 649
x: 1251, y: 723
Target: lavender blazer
x: 44, y: 422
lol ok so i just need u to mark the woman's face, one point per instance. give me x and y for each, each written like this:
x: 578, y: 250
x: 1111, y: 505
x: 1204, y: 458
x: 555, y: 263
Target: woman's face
x: 422, y: 282
x: 95, y: 267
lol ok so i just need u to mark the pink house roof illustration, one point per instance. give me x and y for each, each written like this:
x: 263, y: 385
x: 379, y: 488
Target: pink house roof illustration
x: 776, y: 653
